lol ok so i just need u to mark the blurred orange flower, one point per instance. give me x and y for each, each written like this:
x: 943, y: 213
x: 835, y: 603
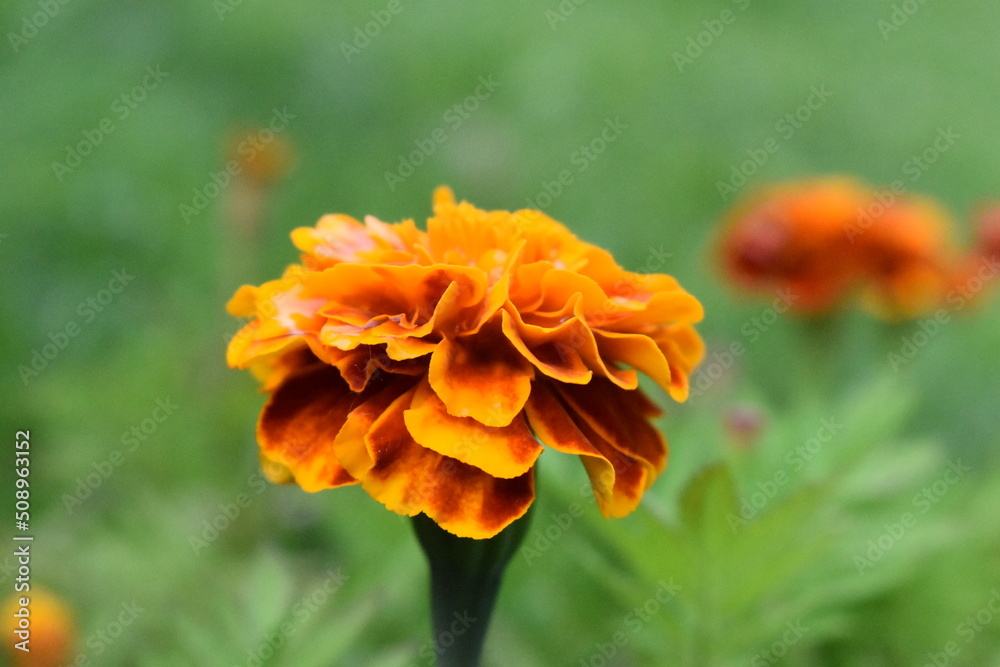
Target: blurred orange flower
x: 792, y: 236
x: 261, y: 156
x: 52, y: 628
x: 978, y: 270
x: 424, y: 365
x: 907, y: 257
x: 987, y: 241
x: 830, y: 239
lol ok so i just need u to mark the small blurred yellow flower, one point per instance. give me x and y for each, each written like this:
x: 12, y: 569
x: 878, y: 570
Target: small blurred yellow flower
x: 50, y: 623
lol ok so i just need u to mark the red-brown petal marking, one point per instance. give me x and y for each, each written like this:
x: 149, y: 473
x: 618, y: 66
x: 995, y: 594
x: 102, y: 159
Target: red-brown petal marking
x: 356, y: 366
x: 351, y: 445
x: 618, y: 418
x: 481, y: 376
x: 408, y: 479
x: 502, y: 451
x: 298, y: 426
x: 556, y: 429
x: 630, y: 478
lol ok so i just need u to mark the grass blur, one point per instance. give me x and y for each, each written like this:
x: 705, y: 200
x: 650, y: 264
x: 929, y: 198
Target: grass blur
x: 124, y: 487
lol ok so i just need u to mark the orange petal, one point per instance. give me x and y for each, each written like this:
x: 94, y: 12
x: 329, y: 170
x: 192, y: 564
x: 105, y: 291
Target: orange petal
x: 504, y: 451
x: 244, y: 302
x: 443, y: 196
x: 481, y: 376
x: 246, y: 345
x: 586, y: 346
x: 351, y: 446
x: 298, y: 426
x: 662, y: 307
x: 524, y: 292
x: 621, y: 418
x: 409, y: 479
x: 556, y: 429
x: 638, y: 351
x: 337, y: 238
x: 549, y: 349
x: 631, y: 478
x: 684, y: 350
x: 618, y: 479
x: 370, y: 304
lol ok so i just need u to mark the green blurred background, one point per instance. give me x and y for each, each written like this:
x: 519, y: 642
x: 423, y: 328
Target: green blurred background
x: 355, y: 106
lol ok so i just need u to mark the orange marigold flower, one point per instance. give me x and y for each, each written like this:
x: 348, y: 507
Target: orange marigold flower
x: 794, y: 237
x: 828, y: 239
x: 433, y: 368
x: 907, y: 256
x: 52, y: 629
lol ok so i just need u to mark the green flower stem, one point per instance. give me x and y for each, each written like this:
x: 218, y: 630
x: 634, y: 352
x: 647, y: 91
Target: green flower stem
x: 465, y: 580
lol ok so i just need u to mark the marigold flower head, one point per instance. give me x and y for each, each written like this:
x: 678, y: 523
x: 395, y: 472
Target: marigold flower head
x: 52, y: 629
x: 829, y: 239
x: 792, y: 236
x: 434, y: 367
